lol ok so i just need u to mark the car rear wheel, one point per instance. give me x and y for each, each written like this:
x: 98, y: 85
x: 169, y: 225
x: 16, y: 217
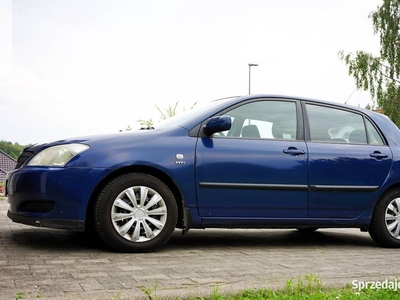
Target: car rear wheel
x: 385, y: 223
x: 135, y: 212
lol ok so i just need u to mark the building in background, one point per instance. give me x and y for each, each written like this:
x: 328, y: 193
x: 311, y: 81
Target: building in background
x: 7, y: 163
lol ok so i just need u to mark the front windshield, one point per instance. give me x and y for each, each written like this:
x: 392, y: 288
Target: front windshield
x: 199, y: 108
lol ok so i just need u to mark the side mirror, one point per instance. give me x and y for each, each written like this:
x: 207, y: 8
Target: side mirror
x: 217, y: 124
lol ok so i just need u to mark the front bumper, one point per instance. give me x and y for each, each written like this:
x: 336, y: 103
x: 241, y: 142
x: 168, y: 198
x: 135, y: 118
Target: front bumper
x: 72, y: 225
x: 52, y: 197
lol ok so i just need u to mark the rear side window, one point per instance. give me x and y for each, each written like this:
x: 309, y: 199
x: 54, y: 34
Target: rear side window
x: 374, y: 137
x: 334, y: 125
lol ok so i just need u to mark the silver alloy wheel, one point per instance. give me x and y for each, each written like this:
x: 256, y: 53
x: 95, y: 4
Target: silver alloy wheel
x: 139, y: 214
x: 392, y: 218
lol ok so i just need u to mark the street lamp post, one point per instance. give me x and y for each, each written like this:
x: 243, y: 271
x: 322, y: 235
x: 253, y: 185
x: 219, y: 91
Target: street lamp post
x: 251, y: 65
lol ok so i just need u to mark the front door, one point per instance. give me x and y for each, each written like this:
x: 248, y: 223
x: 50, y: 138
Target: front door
x: 257, y: 169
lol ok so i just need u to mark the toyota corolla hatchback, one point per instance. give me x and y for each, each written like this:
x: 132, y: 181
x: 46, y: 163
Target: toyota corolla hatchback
x: 262, y: 161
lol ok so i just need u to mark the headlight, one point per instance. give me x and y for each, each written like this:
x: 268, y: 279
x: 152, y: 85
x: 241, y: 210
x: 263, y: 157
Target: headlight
x: 57, y: 156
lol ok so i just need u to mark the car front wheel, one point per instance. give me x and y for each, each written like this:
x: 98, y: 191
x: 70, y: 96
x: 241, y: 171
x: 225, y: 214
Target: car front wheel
x: 385, y: 223
x: 135, y: 212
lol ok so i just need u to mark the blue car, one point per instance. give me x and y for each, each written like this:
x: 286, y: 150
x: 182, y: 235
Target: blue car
x: 257, y: 161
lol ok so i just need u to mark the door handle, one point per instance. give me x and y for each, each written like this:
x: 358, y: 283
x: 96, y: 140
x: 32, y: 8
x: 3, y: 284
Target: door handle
x: 293, y: 151
x: 378, y: 155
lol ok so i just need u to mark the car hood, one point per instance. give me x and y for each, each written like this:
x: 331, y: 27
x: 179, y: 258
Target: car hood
x: 108, y: 138
x: 112, y: 141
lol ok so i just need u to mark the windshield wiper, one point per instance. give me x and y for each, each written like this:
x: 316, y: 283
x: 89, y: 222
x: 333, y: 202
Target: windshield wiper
x: 147, y: 128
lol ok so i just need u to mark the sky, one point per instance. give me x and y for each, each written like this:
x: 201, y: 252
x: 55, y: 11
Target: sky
x: 72, y: 68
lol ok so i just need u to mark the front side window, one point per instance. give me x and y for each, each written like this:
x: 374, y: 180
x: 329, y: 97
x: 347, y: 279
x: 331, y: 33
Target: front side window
x: 334, y: 125
x: 263, y: 119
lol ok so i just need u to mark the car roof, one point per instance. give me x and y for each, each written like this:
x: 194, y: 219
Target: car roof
x: 311, y: 100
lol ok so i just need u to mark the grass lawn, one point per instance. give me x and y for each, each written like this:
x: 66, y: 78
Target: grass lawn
x: 310, y: 287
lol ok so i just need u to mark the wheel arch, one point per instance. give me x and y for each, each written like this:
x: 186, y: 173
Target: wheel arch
x: 394, y: 186
x: 137, y: 169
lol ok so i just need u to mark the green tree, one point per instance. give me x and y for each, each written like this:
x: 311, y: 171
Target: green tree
x: 146, y: 123
x: 165, y: 113
x: 380, y: 74
x: 168, y: 112
x: 11, y: 149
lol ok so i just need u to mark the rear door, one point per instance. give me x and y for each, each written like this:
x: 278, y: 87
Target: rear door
x: 348, y: 161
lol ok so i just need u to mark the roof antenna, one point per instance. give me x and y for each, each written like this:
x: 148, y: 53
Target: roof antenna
x: 350, y: 96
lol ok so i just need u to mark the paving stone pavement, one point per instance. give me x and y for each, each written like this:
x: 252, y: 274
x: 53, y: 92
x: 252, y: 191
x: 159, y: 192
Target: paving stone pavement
x: 55, y: 264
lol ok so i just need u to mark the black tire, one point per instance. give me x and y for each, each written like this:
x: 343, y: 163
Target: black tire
x: 381, y: 225
x: 144, y: 226
x: 307, y: 229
